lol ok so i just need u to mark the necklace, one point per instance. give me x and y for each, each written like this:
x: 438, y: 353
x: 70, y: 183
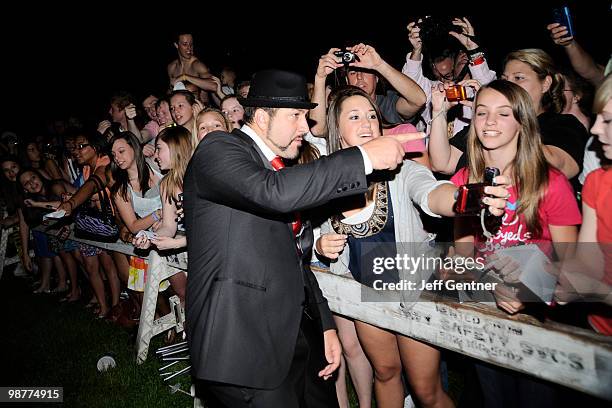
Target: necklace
x: 374, y: 224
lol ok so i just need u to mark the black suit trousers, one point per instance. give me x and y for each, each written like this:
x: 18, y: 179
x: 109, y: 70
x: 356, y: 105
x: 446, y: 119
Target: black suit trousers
x: 302, y: 388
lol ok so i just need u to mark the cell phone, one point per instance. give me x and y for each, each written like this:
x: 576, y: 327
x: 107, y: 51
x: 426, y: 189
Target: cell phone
x: 563, y: 16
x: 469, y: 196
x: 469, y: 199
x: 456, y: 93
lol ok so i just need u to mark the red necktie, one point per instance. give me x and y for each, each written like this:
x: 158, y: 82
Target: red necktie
x: 277, y: 164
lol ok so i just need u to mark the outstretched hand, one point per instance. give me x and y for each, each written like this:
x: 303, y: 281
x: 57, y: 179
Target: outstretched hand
x: 333, y: 352
x: 386, y: 152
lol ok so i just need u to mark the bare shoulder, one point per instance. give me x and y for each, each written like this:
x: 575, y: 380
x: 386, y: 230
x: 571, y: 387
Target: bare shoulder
x: 172, y: 66
x: 200, y: 67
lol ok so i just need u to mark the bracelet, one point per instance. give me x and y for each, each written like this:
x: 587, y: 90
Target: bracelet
x: 476, y: 50
x: 154, y: 215
x: 436, y: 116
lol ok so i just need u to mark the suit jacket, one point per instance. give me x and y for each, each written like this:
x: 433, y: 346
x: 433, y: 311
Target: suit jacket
x: 246, y: 284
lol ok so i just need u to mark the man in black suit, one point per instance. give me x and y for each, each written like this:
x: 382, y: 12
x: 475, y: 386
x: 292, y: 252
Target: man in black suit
x: 248, y: 292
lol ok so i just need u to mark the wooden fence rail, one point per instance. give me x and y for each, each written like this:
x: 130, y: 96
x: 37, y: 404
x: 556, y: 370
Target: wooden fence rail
x: 566, y: 355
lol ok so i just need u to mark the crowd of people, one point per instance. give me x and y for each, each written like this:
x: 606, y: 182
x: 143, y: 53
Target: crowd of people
x: 263, y: 181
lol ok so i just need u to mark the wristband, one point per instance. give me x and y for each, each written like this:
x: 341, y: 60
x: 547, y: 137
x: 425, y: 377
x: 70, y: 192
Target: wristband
x: 475, y: 51
x: 154, y: 215
x: 478, y: 60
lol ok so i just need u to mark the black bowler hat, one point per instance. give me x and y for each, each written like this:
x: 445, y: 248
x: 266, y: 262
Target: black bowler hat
x: 274, y: 88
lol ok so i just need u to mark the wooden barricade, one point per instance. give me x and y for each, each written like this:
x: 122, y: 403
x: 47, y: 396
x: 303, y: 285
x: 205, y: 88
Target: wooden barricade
x: 562, y: 354
x: 566, y: 355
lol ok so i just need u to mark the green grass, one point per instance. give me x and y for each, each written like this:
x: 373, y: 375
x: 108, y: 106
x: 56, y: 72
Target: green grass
x: 46, y: 343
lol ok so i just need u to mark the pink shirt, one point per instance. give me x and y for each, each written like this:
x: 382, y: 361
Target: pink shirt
x: 557, y: 207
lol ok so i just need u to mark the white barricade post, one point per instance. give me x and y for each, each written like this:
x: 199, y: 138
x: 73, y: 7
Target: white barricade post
x: 158, y: 270
x: 562, y: 354
x: 4, y: 261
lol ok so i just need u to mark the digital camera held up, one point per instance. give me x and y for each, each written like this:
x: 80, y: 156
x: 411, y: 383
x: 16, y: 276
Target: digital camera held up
x: 346, y: 57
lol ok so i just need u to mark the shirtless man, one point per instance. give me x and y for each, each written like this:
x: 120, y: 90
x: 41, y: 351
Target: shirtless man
x: 187, y: 67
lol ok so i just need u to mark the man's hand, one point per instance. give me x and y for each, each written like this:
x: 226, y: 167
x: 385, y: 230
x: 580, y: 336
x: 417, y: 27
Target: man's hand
x: 330, y: 245
x: 328, y: 63
x: 27, y: 264
x: 367, y: 55
x: 560, y: 34
x: 386, y: 152
x: 333, y: 352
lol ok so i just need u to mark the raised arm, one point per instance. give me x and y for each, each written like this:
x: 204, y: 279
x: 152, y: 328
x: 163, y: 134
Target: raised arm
x: 581, y: 61
x: 442, y: 155
x: 328, y: 63
x: 412, y: 98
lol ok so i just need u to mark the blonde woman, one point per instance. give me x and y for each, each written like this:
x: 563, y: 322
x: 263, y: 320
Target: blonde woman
x: 173, y: 150
x: 209, y: 120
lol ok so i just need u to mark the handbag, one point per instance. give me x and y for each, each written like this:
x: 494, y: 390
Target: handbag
x: 96, y: 224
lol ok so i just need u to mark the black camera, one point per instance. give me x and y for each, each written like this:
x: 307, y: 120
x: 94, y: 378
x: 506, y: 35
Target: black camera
x: 434, y: 33
x: 346, y: 56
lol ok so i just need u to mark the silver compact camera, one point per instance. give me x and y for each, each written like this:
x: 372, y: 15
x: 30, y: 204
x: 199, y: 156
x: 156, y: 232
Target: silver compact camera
x: 346, y: 56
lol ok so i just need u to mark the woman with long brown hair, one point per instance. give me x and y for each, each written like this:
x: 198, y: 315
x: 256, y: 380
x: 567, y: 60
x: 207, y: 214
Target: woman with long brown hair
x: 383, y: 218
x: 541, y: 210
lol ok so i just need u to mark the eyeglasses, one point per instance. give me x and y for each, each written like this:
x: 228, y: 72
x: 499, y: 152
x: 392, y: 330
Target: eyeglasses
x: 81, y: 146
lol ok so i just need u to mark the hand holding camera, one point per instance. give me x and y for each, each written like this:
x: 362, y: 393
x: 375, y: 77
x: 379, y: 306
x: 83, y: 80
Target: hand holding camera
x: 486, y: 199
x: 328, y: 63
x: 365, y: 57
x: 346, y: 57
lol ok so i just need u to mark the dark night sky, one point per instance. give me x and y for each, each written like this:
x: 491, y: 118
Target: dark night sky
x: 60, y: 62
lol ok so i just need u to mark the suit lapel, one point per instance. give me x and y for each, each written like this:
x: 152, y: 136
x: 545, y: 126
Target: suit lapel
x: 268, y: 166
x: 254, y: 146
